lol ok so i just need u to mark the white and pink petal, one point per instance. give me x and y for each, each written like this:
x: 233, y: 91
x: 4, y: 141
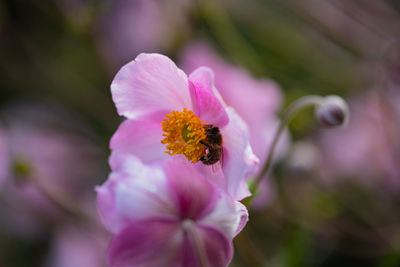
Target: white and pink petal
x: 147, y: 243
x: 149, y: 87
x: 134, y: 192
x: 205, y: 246
x: 158, y: 242
x: 239, y: 159
x: 228, y: 216
x: 140, y: 138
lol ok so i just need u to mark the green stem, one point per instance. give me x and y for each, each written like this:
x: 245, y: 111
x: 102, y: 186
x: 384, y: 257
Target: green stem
x: 300, y: 103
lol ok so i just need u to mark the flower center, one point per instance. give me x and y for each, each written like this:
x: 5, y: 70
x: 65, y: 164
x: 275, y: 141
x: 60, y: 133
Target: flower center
x: 183, y: 133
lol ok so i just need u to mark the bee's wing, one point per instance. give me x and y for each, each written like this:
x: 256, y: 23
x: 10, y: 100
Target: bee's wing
x: 218, y: 165
x: 215, y: 167
x: 221, y: 161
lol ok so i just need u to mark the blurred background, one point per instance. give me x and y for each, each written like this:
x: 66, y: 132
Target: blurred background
x: 333, y: 197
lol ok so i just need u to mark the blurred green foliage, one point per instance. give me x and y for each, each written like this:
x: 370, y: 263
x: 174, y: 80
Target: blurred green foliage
x: 46, y: 53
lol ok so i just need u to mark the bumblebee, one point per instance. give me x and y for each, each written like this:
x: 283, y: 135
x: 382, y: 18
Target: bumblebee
x: 213, y: 142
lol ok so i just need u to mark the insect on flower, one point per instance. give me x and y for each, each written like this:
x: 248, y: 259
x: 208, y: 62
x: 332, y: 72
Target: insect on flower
x: 169, y: 113
x: 213, y: 142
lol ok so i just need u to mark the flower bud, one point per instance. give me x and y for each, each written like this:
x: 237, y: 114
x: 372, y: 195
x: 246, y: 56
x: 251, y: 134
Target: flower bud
x: 21, y: 169
x: 332, y: 112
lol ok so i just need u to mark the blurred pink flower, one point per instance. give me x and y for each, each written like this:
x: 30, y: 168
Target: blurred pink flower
x: 3, y: 157
x: 73, y: 247
x: 130, y: 27
x: 367, y: 147
x: 45, y: 143
x: 151, y: 87
x: 168, y: 215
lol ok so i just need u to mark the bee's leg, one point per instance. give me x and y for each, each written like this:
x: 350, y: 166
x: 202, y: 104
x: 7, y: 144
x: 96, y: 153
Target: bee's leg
x: 207, y: 145
x: 205, y: 157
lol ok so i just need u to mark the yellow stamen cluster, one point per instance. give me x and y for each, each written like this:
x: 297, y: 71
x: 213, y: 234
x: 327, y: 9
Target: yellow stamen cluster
x: 183, y: 133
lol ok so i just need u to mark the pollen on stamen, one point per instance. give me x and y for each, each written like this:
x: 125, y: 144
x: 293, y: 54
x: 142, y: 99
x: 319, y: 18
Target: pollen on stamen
x: 183, y: 131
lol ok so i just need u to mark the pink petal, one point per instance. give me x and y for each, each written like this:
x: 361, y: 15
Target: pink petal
x: 227, y: 216
x: 193, y: 195
x: 148, y: 243
x: 139, y: 138
x: 206, y: 104
x: 243, y: 214
x: 216, y: 247
x: 239, y: 160
x: 150, y: 86
x: 134, y: 192
x: 157, y: 242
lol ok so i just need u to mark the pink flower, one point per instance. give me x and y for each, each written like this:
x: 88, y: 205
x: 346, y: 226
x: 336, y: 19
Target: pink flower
x: 168, y: 215
x: 168, y: 111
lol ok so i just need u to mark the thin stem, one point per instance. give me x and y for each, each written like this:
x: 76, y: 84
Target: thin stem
x: 69, y: 206
x: 247, y: 249
x: 300, y: 103
x: 61, y: 201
